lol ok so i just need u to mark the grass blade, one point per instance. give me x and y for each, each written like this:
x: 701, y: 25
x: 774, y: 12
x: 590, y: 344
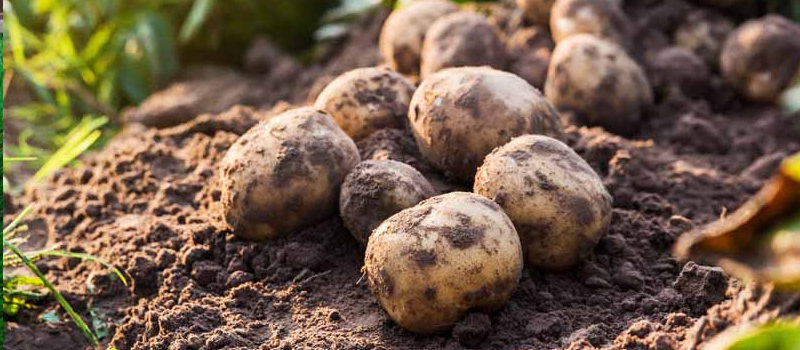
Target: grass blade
x: 200, y: 11
x: 29, y: 264
x: 82, y: 256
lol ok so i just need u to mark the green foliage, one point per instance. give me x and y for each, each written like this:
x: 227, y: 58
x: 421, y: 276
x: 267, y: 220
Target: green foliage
x: 779, y: 336
x: 19, y: 291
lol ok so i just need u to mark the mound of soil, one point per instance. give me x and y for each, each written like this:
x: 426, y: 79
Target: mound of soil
x: 149, y: 203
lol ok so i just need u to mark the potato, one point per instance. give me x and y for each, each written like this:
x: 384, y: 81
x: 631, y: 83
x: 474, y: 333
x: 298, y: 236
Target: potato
x: 601, y: 18
x: 365, y: 100
x: 430, y: 264
x: 401, y: 37
x: 599, y: 82
x: 762, y: 57
x: 536, y: 11
x: 676, y: 69
x: 460, y: 114
x: 376, y: 190
x: 461, y: 39
x: 704, y: 32
x: 530, y: 49
x: 558, y: 204
x: 284, y: 174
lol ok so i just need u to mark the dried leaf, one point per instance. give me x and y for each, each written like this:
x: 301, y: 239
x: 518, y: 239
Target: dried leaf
x: 759, y: 241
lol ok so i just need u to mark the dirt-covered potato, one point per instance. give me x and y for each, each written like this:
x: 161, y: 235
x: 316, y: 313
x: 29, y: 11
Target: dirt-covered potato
x: 459, y: 115
x: 430, y: 264
x: 403, y: 32
x: 530, y: 49
x: 601, y: 18
x: 558, y: 204
x: 536, y: 11
x: 461, y: 39
x: 762, y: 57
x: 284, y: 174
x: 376, y: 190
x: 704, y: 33
x: 599, y: 82
x: 365, y: 100
x: 676, y: 69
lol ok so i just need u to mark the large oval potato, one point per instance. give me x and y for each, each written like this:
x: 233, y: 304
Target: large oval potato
x: 599, y: 82
x: 558, y: 204
x: 601, y: 18
x: 461, y: 39
x: 430, y: 264
x: 403, y: 33
x: 284, y: 174
x: 376, y: 190
x: 460, y: 114
x: 762, y: 57
x: 365, y: 100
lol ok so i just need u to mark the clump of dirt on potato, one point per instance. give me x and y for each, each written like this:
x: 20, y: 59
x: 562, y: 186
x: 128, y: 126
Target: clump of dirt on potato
x: 536, y: 11
x: 558, y: 204
x: 376, y: 190
x: 530, y: 49
x: 762, y: 57
x: 430, y: 264
x: 461, y: 39
x: 704, y: 32
x: 459, y: 115
x: 403, y: 33
x: 599, y: 82
x: 601, y: 18
x: 678, y: 70
x: 365, y: 100
x: 284, y: 174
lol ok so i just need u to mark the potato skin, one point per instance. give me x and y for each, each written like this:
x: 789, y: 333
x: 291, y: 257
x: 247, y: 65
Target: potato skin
x: 601, y: 18
x: 460, y: 114
x: 429, y: 264
x: 676, y: 69
x: 365, y: 100
x: 376, y: 190
x: 704, y: 32
x: 461, y: 39
x: 403, y: 32
x: 599, y: 82
x: 284, y: 174
x: 558, y: 204
x: 762, y: 57
x: 536, y: 11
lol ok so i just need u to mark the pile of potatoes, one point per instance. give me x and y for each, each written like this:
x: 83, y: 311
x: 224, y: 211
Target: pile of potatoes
x: 432, y: 257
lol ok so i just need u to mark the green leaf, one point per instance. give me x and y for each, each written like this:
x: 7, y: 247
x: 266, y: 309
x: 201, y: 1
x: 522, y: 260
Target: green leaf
x: 201, y: 9
x: 773, y: 337
x: 77, y: 141
x: 791, y: 167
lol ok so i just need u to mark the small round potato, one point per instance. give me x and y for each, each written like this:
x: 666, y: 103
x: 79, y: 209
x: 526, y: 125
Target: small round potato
x: 365, y: 100
x: 430, y: 264
x: 536, y: 11
x: 558, y: 204
x: 401, y: 37
x: 461, y: 39
x: 676, y: 69
x: 460, y: 114
x: 601, y: 18
x: 284, y: 174
x: 704, y: 32
x: 599, y: 82
x: 762, y: 57
x: 376, y: 190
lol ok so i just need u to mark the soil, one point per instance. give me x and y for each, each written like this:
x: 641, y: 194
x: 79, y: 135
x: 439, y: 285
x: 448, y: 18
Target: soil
x: 149, y: 203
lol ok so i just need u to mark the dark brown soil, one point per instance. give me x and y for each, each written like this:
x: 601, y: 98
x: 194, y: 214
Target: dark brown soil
x: 149, y: 203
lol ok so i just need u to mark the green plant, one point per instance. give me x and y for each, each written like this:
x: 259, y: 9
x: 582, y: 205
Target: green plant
x: 19, y: 291
x: 776, y: 336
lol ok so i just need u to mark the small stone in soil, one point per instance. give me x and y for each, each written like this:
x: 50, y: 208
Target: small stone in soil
x: 701, y: 286
x: 629, y: 277
x: 471, y: 331
x: 239, y: 277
